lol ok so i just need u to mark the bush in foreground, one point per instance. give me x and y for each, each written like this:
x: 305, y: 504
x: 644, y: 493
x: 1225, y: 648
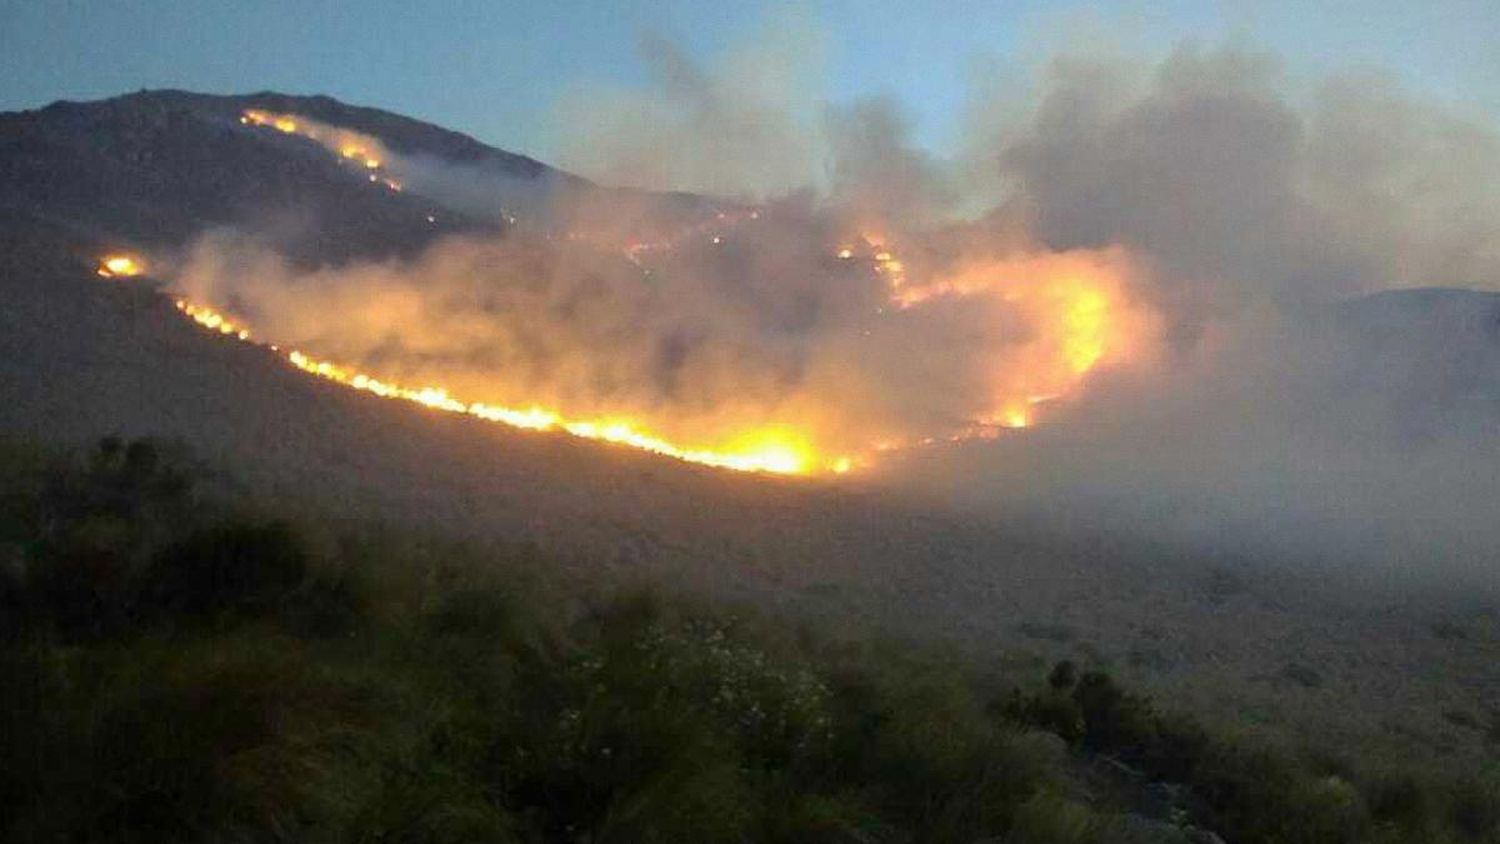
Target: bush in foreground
x: 182, y: 670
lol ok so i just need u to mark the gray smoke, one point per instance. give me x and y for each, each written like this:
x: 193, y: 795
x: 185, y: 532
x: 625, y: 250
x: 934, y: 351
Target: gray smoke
x: 1266, y: 407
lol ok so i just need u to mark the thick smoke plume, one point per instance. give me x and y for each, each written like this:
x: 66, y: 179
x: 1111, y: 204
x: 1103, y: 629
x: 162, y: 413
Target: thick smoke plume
x: 1160, y: 276
x: 1292, y: 417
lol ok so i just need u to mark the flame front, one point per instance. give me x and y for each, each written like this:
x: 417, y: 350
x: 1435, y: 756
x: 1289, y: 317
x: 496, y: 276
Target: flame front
x: 350, y: 146
x: 1076, y: 305
x: 774, y: 449
x: 1090, y: 323
x: 1008, y: 339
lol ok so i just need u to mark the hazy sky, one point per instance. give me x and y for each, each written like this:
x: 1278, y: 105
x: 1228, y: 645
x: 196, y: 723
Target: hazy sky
x: 495, y: 69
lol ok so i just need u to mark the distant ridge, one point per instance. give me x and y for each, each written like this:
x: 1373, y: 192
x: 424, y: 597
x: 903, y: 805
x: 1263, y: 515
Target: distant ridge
x: 154, y: 169
x: 403, y: 134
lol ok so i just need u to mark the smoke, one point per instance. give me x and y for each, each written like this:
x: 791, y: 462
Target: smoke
x: 1364, y: 435
x: 744, y: 128
x: 1152, y: 267
x: 750, y: 327
x: 1293, y: 418
x: 1247, y: 189
x: 876, y: 176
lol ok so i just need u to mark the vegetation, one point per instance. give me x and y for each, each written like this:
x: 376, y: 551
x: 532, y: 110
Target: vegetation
x: 180, y: 666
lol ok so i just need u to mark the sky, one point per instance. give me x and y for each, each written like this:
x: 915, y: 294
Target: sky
x: 497, y: 70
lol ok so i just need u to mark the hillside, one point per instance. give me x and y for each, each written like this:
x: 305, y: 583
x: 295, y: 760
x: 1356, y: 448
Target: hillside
x: 79, y: 359
x: 184, y: 663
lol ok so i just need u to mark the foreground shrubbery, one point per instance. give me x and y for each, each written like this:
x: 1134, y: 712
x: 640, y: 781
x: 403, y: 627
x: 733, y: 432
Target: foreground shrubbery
x: 177, y: 667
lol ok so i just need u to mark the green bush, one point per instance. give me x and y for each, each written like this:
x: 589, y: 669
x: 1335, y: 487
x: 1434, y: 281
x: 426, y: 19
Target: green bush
x: 247, y: 568
x: 1051, y: 819
x: 1474, y: 809
x: 1401, y: 801
x: 1113, y: 720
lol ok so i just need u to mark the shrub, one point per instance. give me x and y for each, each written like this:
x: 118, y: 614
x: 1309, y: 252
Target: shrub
x: 1051, y: 819
x: 611, y: 753
x: 1474, y: 809
x: 468, y: 705
x: 1112, y: 719
x: 1399, y: 800
x: 83, y: 583
x: 1063, y: 677
x: 246, y: 568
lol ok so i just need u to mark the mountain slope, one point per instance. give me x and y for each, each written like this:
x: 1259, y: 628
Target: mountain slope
x: 81, y: 358
x: 154, y: 169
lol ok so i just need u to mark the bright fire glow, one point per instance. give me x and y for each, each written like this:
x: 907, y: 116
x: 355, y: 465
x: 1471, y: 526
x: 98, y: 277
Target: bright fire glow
x: 1072, y: 313
x: 885, y: 261
x: 213, y: 320
x: 1074, y: 304
x: 360, y: 150
x: 120, y: 266
x: 1077, y: 302
x: 774, y: 449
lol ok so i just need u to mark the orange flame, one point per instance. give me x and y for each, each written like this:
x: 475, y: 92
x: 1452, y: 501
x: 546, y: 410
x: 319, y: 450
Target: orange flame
x: 348, y: 145
x: 120, y: 266
x: 1075, y: 304
x: 212, y: 320
x: 1082, y: 313
x: 773, y: 449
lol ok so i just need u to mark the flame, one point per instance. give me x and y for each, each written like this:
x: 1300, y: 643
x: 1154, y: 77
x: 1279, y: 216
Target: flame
x: 773, y: 449
x: 120, y: 266
x: 212, y: 320
x: 355, y: 152
x: 360, y: 150
x: 1077, y: 303
x: 885, y: 260
x: 1075, y: 306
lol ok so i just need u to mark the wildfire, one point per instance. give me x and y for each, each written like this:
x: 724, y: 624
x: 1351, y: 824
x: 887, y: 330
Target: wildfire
x: 1076, y: 301
x: 711, y: 227
x: 1074, y: 306
x: 881, y: 256
x: 773, y: 449
x: 120, y: 266
x: 212, y: 320
x: 1057, y: 317
x: 889, y: 266
x: 1082, y: 313
x: 350, y: 146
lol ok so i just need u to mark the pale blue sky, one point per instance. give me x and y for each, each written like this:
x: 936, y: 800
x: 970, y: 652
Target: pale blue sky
x: 496, y: 69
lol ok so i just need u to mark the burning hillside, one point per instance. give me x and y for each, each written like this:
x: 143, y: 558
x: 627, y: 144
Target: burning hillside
x: 353, y: 147
x: 758, y: 337
x: 770, y: 450
x: 807, y: 333
x: 544, y: 337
